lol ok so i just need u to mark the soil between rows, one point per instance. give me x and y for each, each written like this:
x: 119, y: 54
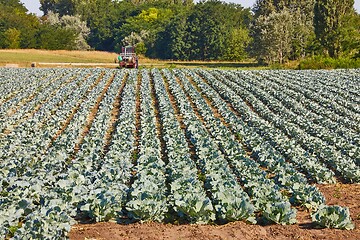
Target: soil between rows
x: 338, y: 194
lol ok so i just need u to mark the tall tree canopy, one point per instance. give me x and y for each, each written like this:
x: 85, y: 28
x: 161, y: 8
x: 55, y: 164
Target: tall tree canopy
x: 212, y: 30
x: 275, y: 31
x: 287, y: 22
x: 331, y: 21
x: 206, y: 30
x: 19, y: 29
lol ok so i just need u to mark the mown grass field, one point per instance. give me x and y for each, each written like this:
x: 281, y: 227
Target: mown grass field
x: 24, y: 57
x: 48, y: 58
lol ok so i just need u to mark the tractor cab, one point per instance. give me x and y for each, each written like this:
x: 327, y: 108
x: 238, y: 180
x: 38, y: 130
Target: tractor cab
x: 127, y: 58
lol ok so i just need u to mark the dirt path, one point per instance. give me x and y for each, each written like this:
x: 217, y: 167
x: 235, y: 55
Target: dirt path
x: 341, y: 194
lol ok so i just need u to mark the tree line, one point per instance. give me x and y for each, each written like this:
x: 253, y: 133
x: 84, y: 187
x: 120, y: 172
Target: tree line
x: 18, y: 29
x: 273, y: 31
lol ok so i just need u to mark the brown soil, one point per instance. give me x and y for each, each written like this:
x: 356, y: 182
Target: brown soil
x: 27, y: 99
x: 339, y: 194
x: 76, y: 108
x: 91, y: 116
x: 115, y: 112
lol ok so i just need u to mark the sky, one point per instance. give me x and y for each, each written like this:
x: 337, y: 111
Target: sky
x: 33, y: 5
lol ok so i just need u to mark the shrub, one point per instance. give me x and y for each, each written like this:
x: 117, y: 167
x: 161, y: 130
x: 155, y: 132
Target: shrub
x: 319, y: 62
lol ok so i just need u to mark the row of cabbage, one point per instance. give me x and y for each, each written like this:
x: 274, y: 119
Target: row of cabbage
x: 30, y: 140
x: 54, y: 213
x: 336, y: 133
x: 228, y: 198
x: 148, y: 198
x: 264, y: 193
x: 274, y: 113
x: 27, y: 102
x: 300, y: 105
x: 12, y: 90
x: 342, y: 89
x: 321, y: 136
x: 278, y: 140
x: 187, y: 198
x: 303, y: 193
x: 33, y: 201
x: 56, y: 171
x: 284, y: 173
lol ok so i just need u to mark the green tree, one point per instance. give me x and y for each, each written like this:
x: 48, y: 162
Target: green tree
x: 12, y: 38
x: 237, y: 44
x: 13, y: 15
x: 350, y: 35
x: 206, y: 31
x: 13, y: 5
x: 147, y: 24
x: 162, y: 2
x: 63, y: 7
x: 273, y: 44
x: 329, y: 20
x: 73, y: 23
x: 263, y: 8
x: 170, y: 43
x: 302, y: 32
x: 54, y: 37
x: 105, y: 19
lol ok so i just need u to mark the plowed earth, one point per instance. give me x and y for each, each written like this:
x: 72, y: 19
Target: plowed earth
x: 339, y: 194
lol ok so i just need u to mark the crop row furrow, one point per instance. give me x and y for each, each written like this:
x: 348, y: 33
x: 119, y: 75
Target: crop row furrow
x: 25, y: 192
x: 325, y: 105
x: 187, y: 196
x: 315, y: 130
x: 346, y: 168
x: 28, y: 141
x: 264, y: 193
x: 296, y: 102
x: 175, y: 146
x: 276, y: 138
x: 95, y: 201
x: 13, y: 95
x: 285, y: 174
x: 218, y: 176
x: 31, y: 103
x: 148, y: 193
x: 314, y: 82
x: 344, y: 85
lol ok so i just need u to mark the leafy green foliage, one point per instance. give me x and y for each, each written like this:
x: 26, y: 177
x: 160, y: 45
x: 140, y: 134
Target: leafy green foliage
x: 329, y: 20
x: 280, y: 213
x: 12, y: 38
x: 18, y: 29
x: 54, y: 37
x: 237, y: 45
x: 282, y: 30
x: 290, y: 131
x: 319, y: 62
x: 333, y: 217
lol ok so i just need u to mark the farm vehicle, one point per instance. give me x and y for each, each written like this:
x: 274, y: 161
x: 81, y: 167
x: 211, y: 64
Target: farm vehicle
x: 128, y: 58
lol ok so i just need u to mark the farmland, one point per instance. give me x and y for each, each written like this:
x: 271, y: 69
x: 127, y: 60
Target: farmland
x: 174, y: 146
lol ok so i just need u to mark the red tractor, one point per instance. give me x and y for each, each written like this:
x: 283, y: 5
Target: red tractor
x: 127, y: 58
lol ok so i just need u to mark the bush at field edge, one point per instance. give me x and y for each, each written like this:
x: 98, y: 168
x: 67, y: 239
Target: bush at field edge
x: 319, y: 62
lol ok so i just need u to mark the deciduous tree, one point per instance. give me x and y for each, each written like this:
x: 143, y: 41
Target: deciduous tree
x: 329, y: 20
x: 237, y: 44
x: 273, y: 43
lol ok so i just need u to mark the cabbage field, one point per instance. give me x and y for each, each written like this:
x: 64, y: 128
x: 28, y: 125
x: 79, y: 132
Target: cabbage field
x: 173, y: 145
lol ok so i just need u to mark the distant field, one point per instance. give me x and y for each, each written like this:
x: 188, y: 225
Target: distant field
x: 47, y: 58
x: 24, y: 57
